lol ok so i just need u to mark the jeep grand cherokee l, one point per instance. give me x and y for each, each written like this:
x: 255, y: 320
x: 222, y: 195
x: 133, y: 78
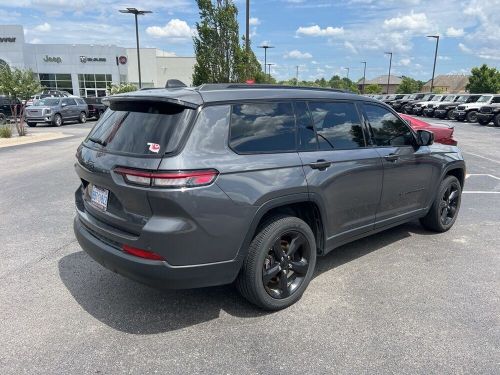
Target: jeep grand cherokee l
x: 193, y: 187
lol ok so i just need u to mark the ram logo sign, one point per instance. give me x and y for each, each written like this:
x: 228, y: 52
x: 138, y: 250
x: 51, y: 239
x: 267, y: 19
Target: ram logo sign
x: 86, y: 59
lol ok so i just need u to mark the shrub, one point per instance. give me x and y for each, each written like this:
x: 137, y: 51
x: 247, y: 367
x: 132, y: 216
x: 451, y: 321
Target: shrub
x: 5, y: 131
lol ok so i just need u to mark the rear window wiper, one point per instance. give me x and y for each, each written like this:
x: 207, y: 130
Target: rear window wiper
x: 98, y: 141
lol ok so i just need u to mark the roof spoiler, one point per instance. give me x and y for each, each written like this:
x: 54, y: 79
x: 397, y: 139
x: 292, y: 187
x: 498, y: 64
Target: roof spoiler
x: 110, y: 100
x: 174, y: 83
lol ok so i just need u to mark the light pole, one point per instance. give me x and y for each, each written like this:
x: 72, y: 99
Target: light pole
x: 390, y: 66
x: 364, y: 77
x: 297, y: 76
x: 435, y: 58
x: 247, y: 35
x: 136, y: 13
x: 269, y: 65
x: 347, y: 72
x: 266, y: 47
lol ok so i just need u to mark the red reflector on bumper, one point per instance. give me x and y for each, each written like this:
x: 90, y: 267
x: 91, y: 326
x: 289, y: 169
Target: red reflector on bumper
x: 145, y: 254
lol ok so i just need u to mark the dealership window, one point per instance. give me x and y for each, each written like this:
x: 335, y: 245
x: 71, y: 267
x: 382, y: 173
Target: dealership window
x: 51, y: 81
x: 94, y: 85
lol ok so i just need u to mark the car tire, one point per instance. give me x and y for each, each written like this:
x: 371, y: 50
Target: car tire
x: 32, y: 124
x: 450, y: 115
x: 3, y: 119
x: 98, y: 115
x: 58, y: 120
x: 82, y: 119
x: 444, y: 209
x: 483, y: 122
x: 471, y: 116
x: 496, y: 120
x: 275, y: 272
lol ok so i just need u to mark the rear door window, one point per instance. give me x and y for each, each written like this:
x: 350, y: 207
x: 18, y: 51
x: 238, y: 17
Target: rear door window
x: 140, y: 128
x: 338, y: 125
x: 262, y: 128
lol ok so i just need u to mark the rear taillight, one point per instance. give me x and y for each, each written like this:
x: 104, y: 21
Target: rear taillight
x: 168, y: 179
x: 145, y: 254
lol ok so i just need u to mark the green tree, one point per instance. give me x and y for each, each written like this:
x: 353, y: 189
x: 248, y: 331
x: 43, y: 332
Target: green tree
x: 409, y: 86
x: 484, y: 79
x: 336, y: 82
x: 122, y: 88
x: 219, y: 55
x: 20, y: 84
x: 373, y: 89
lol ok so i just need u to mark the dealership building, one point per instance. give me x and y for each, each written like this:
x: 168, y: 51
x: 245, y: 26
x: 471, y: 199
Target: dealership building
x: 87, y: 69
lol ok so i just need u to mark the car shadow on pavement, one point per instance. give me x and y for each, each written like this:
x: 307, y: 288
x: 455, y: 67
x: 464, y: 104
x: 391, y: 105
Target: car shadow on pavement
x: 134, y: 308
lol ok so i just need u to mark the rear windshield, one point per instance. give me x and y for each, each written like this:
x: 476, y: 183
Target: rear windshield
x: 140, y: 128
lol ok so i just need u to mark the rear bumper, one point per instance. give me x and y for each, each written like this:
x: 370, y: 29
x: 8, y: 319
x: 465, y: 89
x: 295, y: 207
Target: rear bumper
x: 159, y: 274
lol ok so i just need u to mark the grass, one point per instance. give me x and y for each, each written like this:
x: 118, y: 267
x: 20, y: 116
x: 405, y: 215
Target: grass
x: 5, y: 131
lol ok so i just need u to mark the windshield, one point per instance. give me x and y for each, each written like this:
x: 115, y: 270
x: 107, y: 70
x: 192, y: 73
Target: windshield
x: 412, y: 97
x: 391, y: 97
x: 140, y: 128
x: 437, y: 98
x: 449, y: 98
x: 427, y: 97
x: 48, y: 102
x: 484, y: 99
x: 462, y: 99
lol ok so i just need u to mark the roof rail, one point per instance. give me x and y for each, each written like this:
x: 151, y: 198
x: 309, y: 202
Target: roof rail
x: 227, y: 86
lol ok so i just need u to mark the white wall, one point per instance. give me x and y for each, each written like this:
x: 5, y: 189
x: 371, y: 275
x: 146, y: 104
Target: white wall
x: 157, y: 67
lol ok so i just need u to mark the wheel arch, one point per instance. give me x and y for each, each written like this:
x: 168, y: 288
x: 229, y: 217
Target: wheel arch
x: 300, y: 205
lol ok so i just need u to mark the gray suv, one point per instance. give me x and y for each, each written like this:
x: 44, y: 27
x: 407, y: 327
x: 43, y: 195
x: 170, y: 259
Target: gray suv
x: 56, y: 111
x: 194, y: 187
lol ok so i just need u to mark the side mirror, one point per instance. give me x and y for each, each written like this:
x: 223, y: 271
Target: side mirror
x: 425, y: 138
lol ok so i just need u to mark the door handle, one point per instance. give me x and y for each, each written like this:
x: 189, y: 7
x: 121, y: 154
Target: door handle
x: 391, y: 157
x: 321, y: 164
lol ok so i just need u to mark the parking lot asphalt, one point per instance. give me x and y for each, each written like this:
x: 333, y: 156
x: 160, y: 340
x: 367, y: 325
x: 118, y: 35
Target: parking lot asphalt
x: 402, y: 301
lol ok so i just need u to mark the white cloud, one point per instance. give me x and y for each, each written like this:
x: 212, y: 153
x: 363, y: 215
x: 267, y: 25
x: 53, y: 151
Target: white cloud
x: 318, y: 31
x: 453, y: 33
x: 413, y: 21
x: 35, y: 41
x: 464, y: 48
x: 296, y: 54
x: 43, y: 28
x: 444, y: 58
x: 254, y: 21
x: 405, y: 61
x: 348, y: 45
x: 174, y: 29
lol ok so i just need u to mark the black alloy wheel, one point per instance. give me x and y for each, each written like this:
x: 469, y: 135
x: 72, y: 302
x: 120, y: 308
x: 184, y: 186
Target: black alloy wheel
x: 279, y: 264
x: 449, y: 204
x: 444, y: 210
x: 286, y: 264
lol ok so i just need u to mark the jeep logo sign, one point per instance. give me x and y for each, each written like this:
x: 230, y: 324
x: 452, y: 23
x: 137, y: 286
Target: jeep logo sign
x: 85, y: 59
x: 52, y: 59
x: 8, y: 40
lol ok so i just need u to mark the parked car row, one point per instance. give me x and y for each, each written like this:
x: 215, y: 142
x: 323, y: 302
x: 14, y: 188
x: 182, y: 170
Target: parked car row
x: 58, y: 109
x: 481, y: 108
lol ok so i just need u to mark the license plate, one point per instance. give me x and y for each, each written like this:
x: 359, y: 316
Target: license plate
x: 461, y: 113
x: 99, y: 197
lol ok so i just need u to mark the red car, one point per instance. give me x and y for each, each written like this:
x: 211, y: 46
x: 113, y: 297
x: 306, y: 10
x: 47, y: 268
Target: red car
x: 442, y: 133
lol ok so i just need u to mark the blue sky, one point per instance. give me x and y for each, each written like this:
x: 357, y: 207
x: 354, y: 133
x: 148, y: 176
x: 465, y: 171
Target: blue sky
x: 321, y: 36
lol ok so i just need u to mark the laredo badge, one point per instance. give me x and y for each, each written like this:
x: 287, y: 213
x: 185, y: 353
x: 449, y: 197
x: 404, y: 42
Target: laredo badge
x: 154, y: 147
